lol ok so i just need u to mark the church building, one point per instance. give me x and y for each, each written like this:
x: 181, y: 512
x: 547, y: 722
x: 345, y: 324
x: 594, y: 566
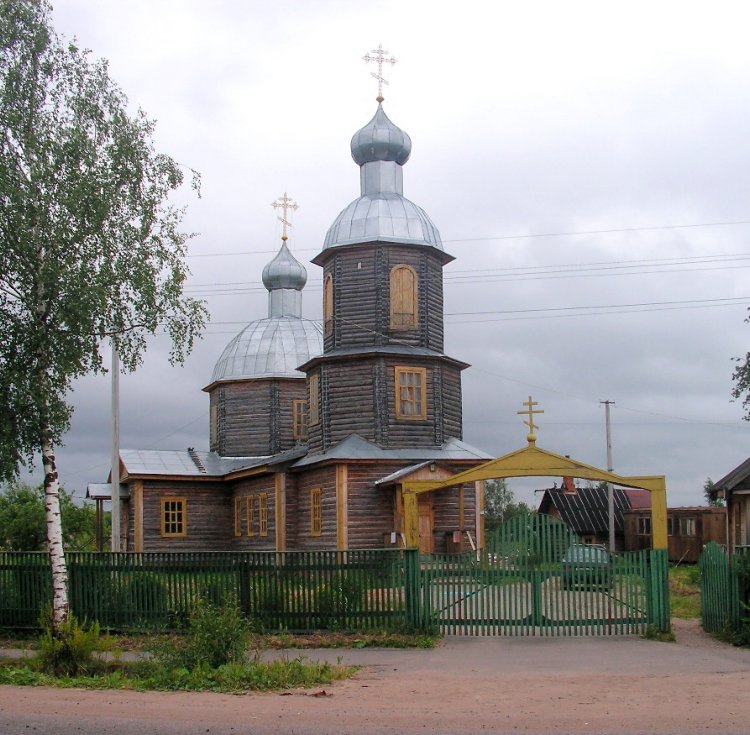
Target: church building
x: 313, y: 429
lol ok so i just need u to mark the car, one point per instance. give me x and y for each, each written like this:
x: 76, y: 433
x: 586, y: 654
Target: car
x: 586, y: 565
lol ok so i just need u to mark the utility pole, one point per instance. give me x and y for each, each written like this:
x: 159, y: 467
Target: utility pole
x: 115, y: 470
x: 610, y: 489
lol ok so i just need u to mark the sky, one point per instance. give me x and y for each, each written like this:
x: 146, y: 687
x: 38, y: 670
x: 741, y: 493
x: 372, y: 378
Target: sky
x: 586, y: 163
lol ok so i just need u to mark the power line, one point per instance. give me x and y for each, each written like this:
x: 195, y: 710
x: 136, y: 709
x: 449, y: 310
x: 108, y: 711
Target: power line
x: 523, y: 236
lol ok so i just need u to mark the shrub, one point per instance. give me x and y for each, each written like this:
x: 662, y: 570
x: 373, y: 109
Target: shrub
x: 144, y: 599
x: 217, y: 635
x: 69, y: 649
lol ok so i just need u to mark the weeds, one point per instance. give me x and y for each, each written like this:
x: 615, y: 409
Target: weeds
x: 67, y: 649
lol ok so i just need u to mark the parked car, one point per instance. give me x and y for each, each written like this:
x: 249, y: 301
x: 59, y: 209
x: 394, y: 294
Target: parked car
x: 586, y: 565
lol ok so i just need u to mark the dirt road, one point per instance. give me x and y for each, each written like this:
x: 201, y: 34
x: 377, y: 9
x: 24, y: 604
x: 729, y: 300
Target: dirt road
x: 466, y: 686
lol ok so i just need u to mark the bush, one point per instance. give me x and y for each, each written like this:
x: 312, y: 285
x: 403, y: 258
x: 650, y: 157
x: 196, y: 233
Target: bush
x: 144, y: 599
x: 217, y: 635
x: 69, y: 649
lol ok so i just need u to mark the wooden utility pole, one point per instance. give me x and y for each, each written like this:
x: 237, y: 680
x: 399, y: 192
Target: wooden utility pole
x: 610, y: 489
x: 115, y: 471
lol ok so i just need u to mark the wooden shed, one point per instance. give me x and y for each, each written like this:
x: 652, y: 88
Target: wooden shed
x: 688, y: 530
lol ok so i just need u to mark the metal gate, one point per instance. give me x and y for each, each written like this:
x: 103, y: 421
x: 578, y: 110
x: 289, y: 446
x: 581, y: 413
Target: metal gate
x: 536, y: 578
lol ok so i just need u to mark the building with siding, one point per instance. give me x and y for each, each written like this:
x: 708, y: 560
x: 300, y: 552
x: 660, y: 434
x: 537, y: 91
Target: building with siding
x: 314, y: 429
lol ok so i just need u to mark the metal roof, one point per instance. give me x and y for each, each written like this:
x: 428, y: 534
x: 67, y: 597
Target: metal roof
x: 270, y: 348
x: 191, y: 463
x: 586, y: 510
x: 103, y: 491
x: 398, y: 474
x: 734, y: 477
x: 354, y: 447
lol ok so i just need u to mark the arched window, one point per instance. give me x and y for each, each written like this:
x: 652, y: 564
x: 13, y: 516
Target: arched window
x: 328, y: 304
x: 403, y: 297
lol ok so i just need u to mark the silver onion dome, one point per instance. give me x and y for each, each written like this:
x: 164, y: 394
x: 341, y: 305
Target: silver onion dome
x: 380, y: 140
x: 284, y: 271
x: 382, y: 212
x: 276, y: 346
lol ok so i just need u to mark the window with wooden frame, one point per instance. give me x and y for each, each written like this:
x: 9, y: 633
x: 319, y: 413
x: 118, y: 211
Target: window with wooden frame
x: 643, y: 526
x: 263, y: 514
x: 687, y: 526
x: 250, y: 513
x: 411, y: 403
x: 316, y: 512
x: 670, y: 526
x: 299, y: 420
x: 403, y: 297
x: 173, y: 517
x: 313, y: 402
x: 328, y: 305
x: 238, y: 516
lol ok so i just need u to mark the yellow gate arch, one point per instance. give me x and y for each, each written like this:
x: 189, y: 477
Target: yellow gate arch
x: 533, y: 461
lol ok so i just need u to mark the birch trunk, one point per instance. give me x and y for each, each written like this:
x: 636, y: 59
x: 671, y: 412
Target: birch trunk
x: 60, y: 606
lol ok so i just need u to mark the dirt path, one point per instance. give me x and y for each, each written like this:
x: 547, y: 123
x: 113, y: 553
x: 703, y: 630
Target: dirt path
x: 467, y: 685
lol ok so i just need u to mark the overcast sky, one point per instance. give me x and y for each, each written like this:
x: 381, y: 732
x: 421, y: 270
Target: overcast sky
x: 585, y: 162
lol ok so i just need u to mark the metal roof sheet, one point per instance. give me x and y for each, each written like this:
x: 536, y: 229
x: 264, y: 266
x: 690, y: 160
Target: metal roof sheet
x: 586, y: 510
x: 103, y: 491
x: 354, y: 447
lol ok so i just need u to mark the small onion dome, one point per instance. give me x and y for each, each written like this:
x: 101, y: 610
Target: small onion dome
x: 380, y: 140
x: 284, y: 271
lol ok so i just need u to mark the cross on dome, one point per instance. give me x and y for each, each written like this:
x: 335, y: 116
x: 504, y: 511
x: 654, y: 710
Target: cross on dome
x: 530, y: 412
x: 284, y: 203
x: 379, y: 58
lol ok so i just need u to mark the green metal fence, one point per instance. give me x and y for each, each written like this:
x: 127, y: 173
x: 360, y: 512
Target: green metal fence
x: 535, y: 578
x: 361, y: 589
x: 722, y: 590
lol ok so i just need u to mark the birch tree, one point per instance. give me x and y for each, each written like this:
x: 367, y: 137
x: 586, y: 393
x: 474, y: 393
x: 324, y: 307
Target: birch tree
x: 91, y: 250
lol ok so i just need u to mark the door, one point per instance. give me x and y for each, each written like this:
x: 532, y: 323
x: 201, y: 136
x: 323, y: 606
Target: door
x: 425, y: 524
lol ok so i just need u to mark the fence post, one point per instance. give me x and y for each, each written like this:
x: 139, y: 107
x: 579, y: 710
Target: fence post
x: 411, y: 589
x: 658, y: 583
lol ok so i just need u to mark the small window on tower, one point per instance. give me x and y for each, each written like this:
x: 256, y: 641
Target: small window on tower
x: 299, y: 420
x: 411, y: 401
x: 328, y: 305
x: 403, y: 297
x: 313, y: 415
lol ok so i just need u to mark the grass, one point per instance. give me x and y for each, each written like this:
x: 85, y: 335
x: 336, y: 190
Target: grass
x: 684, y: 591
x: 281, y: 674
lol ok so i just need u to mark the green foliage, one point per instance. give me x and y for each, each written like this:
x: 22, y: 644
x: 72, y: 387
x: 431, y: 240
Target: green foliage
x: 68, y: 648
x: 684, y: 591
x: 257, y: 676
x: 144, y: 600
x: 217, y: 635
x: 23, y: 525
x: 90, y: 248
x: 500, y: 504
x: 710, y: 493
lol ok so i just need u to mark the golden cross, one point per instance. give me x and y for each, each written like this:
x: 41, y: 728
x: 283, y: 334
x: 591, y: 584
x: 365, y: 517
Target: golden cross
x: 284, y: 203
x: 379, y: 59
x: 530, y: 412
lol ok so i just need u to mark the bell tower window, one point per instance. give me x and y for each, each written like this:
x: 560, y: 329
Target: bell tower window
x: 328, y: 305
x: 403, y: 297
x: 411, y: 403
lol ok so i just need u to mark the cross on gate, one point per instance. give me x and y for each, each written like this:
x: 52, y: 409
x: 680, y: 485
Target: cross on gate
x: 379, y: 59
x: 285, y: 204
x: 530, y: 412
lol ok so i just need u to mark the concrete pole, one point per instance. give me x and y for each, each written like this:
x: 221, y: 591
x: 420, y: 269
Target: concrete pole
x: 115, y: 471
x: 610, y: 489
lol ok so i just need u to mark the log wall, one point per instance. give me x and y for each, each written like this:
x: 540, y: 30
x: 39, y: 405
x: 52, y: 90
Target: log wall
x: 361, y: 297
x: 254, y: 417
x: 208, y: 519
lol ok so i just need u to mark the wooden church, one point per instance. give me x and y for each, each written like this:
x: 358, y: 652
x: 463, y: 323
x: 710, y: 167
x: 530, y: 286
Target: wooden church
x: 313, y: 430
